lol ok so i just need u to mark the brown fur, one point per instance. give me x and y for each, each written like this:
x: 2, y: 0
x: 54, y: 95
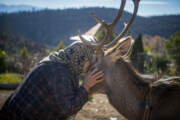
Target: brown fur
x: 126, y: 90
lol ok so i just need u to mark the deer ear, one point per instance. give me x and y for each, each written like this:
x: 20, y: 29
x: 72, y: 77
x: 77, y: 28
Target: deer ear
x: 124, y: 47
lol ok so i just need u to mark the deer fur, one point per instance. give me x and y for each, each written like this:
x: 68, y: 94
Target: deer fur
x: 127, y: 89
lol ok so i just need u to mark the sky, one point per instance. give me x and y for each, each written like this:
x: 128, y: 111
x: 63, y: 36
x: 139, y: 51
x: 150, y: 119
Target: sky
x: 146, y: 8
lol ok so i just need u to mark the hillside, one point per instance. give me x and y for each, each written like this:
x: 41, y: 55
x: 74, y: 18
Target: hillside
x: 50, y: 26
x: 12, y: 45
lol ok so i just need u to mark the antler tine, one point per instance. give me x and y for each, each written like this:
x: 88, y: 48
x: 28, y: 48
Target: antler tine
x: 95, y: 40
x: 123, y: 23
x: 119, y: 13
x: 110, y: 27
x: 96, y: 46
x: 85, y: 41
x: 99, y: 21
x: 136, y: 4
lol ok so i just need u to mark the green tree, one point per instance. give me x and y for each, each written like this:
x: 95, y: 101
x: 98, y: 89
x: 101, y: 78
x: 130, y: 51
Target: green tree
x: 137, y: 55
x: 172, y: 48
x: 149, y: 65
x: 3, y: 62
x: 162, y: 65
x: 25, y: 60
x: 60, y: 46
x: 100, y: 35
x: 154, y: 63
x: 24, y: 54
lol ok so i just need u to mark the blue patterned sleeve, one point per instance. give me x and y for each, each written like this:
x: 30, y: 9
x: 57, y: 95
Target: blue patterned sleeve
x: 69, y: 99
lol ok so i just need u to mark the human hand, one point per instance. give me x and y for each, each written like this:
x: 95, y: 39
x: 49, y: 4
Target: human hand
x: 92, y: 78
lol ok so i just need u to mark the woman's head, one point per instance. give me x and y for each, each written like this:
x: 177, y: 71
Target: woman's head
x: 77, y: 54
x: 74, y: 56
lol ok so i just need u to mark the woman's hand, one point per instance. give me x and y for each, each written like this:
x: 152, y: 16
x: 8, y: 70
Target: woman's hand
x: 92, y: 78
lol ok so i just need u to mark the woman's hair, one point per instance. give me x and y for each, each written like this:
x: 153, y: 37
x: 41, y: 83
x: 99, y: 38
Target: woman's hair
x: 74, y: 56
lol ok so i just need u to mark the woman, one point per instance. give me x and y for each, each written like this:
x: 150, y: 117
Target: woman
x: 51, y: 90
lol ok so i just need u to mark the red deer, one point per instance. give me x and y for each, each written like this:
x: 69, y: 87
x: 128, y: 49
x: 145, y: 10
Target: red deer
x: 133, y: 95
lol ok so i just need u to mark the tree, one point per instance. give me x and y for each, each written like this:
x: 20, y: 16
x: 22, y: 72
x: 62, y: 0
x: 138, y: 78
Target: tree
x: 162, y: 65
x: 172, y: 48
x: 100, y: 35
x: 60, y: 46
x: 3, y: 62
x: 24, y: 54
x: 137, y: 55
x: 149, y: 64
x: 25, y: 60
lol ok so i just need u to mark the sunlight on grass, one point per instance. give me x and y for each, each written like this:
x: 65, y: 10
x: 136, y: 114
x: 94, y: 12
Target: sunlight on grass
x: 11, y: 77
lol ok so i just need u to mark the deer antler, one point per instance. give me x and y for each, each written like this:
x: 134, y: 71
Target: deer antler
x: 100, y: 47
x: 136, y: 4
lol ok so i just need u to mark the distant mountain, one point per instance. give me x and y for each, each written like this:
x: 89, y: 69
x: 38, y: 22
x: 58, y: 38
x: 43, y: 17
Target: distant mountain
x: 17, y: 8
x: 51, y: 26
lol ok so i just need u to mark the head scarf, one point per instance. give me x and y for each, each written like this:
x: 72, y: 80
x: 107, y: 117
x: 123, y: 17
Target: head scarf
x: 74, y: 57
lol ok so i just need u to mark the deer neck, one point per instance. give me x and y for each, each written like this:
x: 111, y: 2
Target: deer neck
x: 129, y: 95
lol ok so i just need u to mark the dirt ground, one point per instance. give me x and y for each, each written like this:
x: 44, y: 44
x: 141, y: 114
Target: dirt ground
x: 99, y: 109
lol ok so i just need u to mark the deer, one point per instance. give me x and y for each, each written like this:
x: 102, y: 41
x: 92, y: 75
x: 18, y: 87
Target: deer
x: 132, y: 94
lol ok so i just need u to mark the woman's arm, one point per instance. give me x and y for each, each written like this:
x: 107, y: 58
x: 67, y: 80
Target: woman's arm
x: 68, y: 99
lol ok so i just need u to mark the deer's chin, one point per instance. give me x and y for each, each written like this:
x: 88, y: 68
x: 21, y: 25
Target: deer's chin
x: 96, y: 92
x: 98, y: 89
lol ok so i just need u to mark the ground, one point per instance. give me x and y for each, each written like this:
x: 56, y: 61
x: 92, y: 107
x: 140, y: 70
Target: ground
x: 99, y: 109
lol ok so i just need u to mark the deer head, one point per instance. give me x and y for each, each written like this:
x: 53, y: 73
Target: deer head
x: 101, y: 47
x: 107, y: 54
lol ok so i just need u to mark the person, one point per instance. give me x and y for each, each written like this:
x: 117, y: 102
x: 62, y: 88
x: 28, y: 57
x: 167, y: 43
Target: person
x: 51, y: 90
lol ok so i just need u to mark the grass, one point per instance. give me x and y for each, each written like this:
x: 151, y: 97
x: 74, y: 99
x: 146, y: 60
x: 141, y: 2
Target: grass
x: 11, y: 78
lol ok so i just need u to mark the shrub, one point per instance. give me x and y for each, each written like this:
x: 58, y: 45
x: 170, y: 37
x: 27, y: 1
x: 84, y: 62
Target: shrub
x: 60, y: 46
x: 3, y: 62
x: 172, y: 48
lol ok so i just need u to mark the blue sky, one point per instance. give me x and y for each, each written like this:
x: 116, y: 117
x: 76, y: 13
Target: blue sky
x: 146, y: 8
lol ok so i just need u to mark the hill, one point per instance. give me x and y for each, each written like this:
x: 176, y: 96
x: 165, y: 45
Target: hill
x: 50, y: 26
x: 12, y: 45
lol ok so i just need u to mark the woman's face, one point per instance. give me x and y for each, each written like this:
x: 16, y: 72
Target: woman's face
x: 87, y: 66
